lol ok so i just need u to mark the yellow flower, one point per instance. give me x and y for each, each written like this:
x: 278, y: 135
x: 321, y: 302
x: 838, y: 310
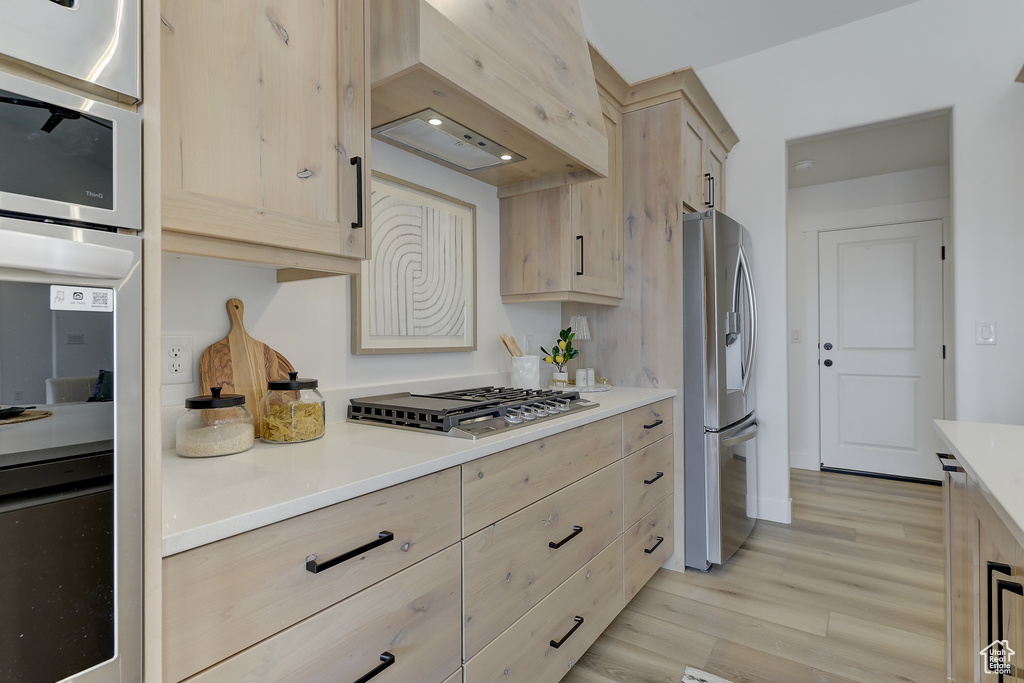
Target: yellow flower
x: 561, y: 345
x: 549, y: 359
x: 559, y: 359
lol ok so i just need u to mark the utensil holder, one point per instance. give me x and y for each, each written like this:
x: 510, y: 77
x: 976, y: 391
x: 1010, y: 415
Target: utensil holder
x: 525, y: 372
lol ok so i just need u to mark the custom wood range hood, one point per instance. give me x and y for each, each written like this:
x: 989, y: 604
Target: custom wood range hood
x: 517, y: 77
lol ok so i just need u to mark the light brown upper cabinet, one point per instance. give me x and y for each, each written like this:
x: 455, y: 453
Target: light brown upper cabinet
x: 564, y: 243
x: 264, y: 133
x: 703, y: 164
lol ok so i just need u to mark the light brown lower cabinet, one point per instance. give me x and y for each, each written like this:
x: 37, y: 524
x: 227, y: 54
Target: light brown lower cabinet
x: 984, y: 580
x: 406, y: 627
x: 545, y: 643
x: 645, y: 547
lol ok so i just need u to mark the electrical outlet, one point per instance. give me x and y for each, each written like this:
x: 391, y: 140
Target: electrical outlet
x: 176, y: 359
x: 19, y: 395
x: 528, y: 347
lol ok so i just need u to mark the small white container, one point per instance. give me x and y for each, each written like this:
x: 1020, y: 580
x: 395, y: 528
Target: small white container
x: 525, y: 372
x: 590, y: 377
x: 581, y: 377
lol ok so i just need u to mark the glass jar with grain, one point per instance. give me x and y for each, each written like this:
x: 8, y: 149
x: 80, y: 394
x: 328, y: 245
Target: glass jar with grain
x: 292, y: 410
x: 217, y: 424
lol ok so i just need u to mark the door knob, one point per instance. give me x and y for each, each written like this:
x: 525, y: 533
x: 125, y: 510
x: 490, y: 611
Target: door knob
x: 828, y: 362
x: 828, y: 346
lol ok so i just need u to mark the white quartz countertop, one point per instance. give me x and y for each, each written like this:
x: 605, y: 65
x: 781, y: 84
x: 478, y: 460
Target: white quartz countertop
x: 993, y: 455
x: 208, y: 499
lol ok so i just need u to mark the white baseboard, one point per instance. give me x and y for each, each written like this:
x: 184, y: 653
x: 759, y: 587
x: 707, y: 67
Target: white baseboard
x: 775, y: 509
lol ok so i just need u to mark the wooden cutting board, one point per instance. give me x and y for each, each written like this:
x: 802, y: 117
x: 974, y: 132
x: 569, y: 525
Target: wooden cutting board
x: 240, y: 364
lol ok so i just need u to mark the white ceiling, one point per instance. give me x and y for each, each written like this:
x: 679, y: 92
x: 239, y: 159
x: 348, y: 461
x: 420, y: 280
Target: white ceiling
x: 647, y: 38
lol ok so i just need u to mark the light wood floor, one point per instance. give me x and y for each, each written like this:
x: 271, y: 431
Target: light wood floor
x: 851, y: 591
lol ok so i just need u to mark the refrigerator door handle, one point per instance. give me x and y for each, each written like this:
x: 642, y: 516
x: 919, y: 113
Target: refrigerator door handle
x: 745, y: 435
x: 749, y: 283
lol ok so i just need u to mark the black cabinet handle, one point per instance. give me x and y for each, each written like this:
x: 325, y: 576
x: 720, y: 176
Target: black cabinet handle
x: 1002, y: 568
x: 657, y: 476
x: 358, y: 163
x: 315, y: 567
x: 1013, y: 587
x: 386, y: 660
x: 580, y: 238
x: 654, y: 424
x: 576, y: 530
x: 648, y: 551
x: 558, y: 643
x: 710, y: 201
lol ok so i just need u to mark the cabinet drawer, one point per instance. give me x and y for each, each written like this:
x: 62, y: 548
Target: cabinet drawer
x: 638, y: 565
x: 413, y: 616
x: 225, y: 596
x: 652, y: 464
x: 642, y: 426
x: 524, y: 652
x: 510, y: 565
x: 498, y: 485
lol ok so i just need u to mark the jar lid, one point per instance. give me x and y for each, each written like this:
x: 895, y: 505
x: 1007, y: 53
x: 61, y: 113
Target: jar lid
x: 292, y: 383
x: 215, y: 400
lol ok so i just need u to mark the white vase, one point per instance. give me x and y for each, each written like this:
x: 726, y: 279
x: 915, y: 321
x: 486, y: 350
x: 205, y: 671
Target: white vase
x: 560, y: 377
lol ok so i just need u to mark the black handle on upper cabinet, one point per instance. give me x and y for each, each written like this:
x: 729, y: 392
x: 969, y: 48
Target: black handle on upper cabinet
x: 993, y: 567
x: 386, y: 660
x: 657, y: 476
x: 654, y: 424
x: 358, y: 163
x: 316, y: 567
x: 1013, y: 587
x: 710, y: 201
x: 558, y: 643
x: 580, y: 238
x: 576, y: 531
x: 655, y: 546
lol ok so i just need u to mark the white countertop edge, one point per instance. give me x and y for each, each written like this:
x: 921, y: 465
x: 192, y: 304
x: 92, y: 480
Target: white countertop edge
x: 990, y: 454
x: 178, y: 540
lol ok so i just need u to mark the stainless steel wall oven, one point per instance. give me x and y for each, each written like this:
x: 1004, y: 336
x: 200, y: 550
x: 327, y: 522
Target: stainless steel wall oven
x: 70, y: 388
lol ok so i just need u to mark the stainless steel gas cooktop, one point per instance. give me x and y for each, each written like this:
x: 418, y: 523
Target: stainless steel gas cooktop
x: 467, y: 413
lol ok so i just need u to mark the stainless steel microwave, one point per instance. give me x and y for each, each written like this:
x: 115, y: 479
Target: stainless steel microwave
x: 93, y: 40
x: 65, y: 158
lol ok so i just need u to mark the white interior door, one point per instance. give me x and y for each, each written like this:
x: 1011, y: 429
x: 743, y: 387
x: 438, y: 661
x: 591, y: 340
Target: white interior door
x: 880, y: 348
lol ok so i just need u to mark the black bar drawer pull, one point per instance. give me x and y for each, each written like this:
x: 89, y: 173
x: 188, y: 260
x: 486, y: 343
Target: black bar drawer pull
x: 576, y: 530
x: 657, y: 476
x: 386, y: 660
x: 654, y: 424
x: 315, y: 567
x: 358, y: 163
x: 580, y: 238
x: 558, y: 643
x: 1002, y: 568
x: 651, y: 550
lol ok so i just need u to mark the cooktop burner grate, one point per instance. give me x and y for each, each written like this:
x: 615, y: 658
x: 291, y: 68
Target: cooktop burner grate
x: 468, y: 413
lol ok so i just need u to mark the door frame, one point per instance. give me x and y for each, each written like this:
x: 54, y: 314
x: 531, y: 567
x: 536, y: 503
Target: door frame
x: 808, y: 251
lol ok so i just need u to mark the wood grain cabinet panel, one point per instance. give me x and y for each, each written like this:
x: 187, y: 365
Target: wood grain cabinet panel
x: 642, y: 426
x: 511, y: 565
x: 223, y: 597
x: 412, y: 616
x: 498, y: 485
x: 264, y: 109
x: 645, y: 547
x: 647, y: 479
x: 525, y: 652
x: 564, y: 243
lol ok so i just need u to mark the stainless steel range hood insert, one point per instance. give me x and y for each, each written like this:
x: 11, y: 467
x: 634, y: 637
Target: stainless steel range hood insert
x: 428, y: 132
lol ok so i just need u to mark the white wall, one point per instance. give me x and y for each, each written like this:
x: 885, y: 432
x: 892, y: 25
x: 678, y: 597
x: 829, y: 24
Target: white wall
x: 920, y: 194
x: 309, y: 322
x: 926, y: 56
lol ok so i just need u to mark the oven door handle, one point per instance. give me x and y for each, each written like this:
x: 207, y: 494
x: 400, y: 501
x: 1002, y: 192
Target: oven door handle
x: 63, y: 257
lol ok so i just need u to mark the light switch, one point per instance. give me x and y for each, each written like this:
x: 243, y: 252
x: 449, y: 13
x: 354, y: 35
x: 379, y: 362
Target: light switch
x: 985, y: 332
x: 794, y: 336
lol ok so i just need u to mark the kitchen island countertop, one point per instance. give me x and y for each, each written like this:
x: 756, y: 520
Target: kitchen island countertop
x: 208, y: 499
x: 993, y: 455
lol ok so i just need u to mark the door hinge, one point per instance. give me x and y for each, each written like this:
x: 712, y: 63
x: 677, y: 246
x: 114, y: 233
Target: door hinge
x: 943, y: 252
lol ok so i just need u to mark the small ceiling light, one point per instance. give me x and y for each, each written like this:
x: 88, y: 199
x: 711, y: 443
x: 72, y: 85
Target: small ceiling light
x: 435, y: 122
x: 804, y: 165
x: 506, y: 157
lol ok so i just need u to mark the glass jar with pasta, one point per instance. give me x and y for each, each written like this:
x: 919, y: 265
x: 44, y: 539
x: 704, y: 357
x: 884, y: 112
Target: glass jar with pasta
x: 292, y: 410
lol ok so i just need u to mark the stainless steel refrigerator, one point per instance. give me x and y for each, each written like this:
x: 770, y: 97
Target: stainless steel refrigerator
x: 719, y: 421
